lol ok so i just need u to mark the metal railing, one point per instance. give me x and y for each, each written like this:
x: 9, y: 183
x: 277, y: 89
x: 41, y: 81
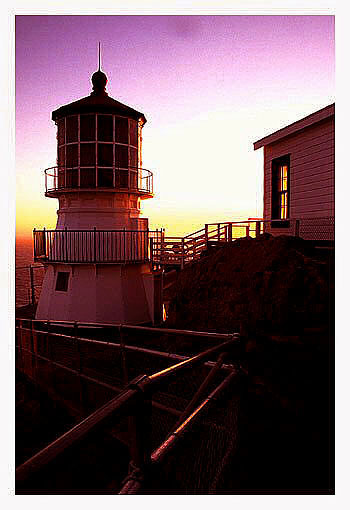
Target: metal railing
x: 28, y: 283
x: 179, y: 251
x: 93, y: 246
x: 135, y: 179
x: 37, y: 339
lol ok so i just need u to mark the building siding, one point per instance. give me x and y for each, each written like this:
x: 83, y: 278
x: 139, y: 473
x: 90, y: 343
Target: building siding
x: 311, y: 172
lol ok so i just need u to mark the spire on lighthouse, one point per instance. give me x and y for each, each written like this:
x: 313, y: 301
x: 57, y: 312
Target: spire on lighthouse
x: 99, y: 79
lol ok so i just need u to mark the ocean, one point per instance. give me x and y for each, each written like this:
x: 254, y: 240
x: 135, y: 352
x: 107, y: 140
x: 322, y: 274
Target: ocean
x: 24, y: 258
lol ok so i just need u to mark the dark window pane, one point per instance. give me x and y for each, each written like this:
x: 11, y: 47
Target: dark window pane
x: 61, y: 156
x: 87, y: 128
x: 133, y: 132
x: 61, y: 177
x: 87, y: 154
x: 72, y: 178
x: 62, y: 281
x: 87, y: 178
x: 60, y: 132
x: 105, y: 154
x: 133, y: 158
x: 121, y: 130
x: 105, y: 128
x: 122, y: 158
x: 122, y: 178
x: 72, y: 129
x: 72, y: 155
x: 133, y: 179
x: 105, y: 178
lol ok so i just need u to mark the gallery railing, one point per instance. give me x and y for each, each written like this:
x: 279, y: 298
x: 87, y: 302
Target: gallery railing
x: 135, y: 179
x: 94, y: 246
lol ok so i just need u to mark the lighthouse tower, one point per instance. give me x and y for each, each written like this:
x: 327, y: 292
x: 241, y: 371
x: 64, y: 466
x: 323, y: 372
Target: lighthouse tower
x: 98, y: 259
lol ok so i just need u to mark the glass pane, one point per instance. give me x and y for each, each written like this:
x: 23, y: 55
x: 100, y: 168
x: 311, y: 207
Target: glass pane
x: 133, y: 132
x: 105, y: 178
x: 105, y: 128
x: 87, y: 128
x: 87, y: 178
x: 72, y: 129
x: 133, y: 180
x: 133, y: 157
x: 122, y: 158
x: 105, y: 154
x: 72, y: 178
x: 72, y: 155
x: 61, y: 174
x: 121, y: 130
x: 122, y: 178
x: 61, y: 156
x: 60, y: 132
x: 87, y: 154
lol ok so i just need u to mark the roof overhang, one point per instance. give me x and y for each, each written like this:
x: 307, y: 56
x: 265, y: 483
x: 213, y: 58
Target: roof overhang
x: 315, y: 117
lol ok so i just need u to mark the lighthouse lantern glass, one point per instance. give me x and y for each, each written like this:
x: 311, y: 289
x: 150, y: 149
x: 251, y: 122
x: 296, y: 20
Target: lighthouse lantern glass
x: 100, y: 150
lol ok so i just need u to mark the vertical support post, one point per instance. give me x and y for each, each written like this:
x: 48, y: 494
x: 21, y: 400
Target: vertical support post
x: 94, y: 244
x: 32, y: 288
x: 247, y: 230
x: 206, y: 235
x: 34, y: 243
x: 32, y: 351
x: 151, y: 251
x: 219, y: 231
x: 44, y: 241
x: 297, y: 228
x: 66, y: 244
x: 229, y: 234
x: 182, y: 253
x: 257, y: 229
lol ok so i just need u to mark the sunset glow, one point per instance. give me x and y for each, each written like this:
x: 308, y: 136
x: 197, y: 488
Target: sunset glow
x: 209, y: 87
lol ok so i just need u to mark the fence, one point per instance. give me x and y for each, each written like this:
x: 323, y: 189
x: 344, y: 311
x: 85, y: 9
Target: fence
x: 28, y: 283
x: 178, y: 251
x: 161, y: 399
x: 93, y: 246
x: 59, y: 178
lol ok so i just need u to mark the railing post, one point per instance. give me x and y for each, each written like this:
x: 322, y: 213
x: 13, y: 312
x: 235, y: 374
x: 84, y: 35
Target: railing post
x: 247, y: 230
x: 257, y: 229
x: 182, y: 253
x: 66, y: 243
x: 219, y: 226
x: 229, y: 234
x: 297, y: 228
x: 31, y: 271
x: 34, y: 243
x: 206, y: 235
x: 151, y: 251
x: 94, y: 244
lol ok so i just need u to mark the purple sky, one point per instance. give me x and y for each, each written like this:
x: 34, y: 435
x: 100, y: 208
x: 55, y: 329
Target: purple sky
x: 209, y: 87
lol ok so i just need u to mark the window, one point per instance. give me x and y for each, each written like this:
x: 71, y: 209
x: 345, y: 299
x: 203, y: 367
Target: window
x: 62, y: 281
x: 280, y: 191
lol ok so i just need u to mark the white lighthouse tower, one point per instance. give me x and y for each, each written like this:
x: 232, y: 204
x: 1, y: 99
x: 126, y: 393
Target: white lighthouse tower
x: 98, y: 260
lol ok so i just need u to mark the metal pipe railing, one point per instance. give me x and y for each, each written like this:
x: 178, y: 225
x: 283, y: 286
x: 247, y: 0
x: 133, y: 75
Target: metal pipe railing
x: 121, y: 404
x: 61, y: 178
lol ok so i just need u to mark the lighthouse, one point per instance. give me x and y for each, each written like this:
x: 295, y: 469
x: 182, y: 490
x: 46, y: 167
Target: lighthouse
x: 98, y: 260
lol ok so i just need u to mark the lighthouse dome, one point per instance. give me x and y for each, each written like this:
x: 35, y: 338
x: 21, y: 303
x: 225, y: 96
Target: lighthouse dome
x: 99, y: 82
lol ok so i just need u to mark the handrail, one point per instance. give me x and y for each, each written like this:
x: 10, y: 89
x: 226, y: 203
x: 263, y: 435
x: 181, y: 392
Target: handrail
x: 61, y: 178
x: 119, y: 405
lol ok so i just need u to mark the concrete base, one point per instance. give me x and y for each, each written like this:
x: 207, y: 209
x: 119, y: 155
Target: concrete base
x: 99, y: 293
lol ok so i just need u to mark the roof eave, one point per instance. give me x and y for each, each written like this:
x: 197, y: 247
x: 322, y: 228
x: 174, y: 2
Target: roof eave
x: 303, y: 123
